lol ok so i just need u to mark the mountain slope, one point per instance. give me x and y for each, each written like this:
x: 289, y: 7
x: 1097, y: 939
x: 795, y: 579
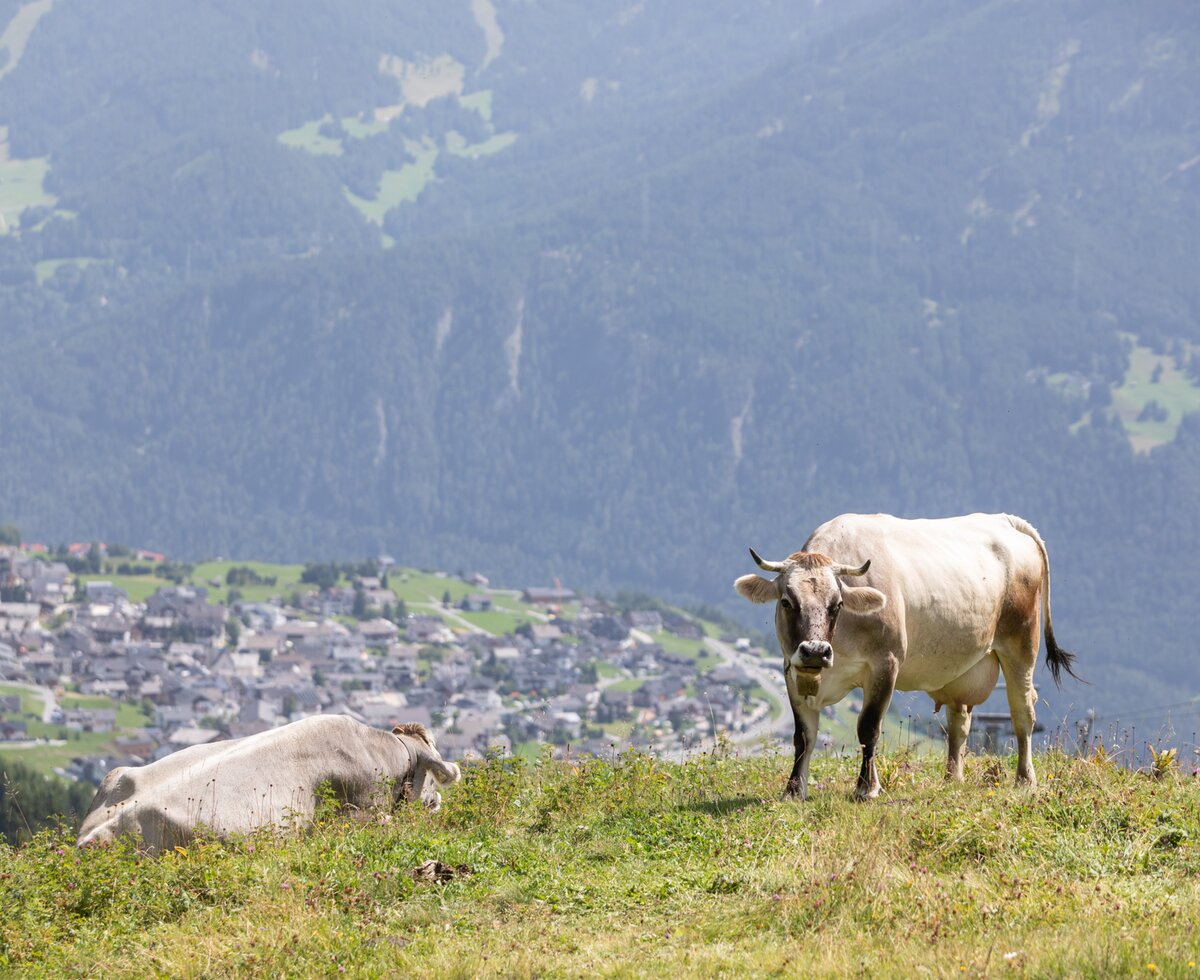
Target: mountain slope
x: 886, y: 258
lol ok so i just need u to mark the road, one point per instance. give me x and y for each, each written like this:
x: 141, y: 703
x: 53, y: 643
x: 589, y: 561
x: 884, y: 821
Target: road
x: 770, y: 731
x: 764, y: 735
x: 435, y: 606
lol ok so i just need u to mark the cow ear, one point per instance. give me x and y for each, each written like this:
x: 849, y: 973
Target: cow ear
x: 863, y: 599
x: 756, y: 588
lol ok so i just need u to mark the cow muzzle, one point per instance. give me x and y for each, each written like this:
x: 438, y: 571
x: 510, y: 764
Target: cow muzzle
x: 812, y: 655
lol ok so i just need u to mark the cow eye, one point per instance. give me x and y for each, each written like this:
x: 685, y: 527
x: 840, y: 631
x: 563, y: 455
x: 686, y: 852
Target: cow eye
x: 786, y: 602
x: 835, y: 609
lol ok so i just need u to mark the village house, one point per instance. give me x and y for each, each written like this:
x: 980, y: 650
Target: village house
x: 13, y: 730
x: 646, y: 620
x: 542, y: 596
x: 378, y: 633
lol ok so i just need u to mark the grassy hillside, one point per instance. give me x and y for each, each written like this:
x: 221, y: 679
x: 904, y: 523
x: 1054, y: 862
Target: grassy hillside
x: 635, y: 866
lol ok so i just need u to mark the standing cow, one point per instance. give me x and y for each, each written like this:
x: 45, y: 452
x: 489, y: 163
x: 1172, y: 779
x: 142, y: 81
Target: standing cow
x: 272, y: 779
x: 945, y: 605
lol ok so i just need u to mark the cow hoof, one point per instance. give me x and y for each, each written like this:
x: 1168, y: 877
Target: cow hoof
x: 795, y: 792
x: 862, y: 795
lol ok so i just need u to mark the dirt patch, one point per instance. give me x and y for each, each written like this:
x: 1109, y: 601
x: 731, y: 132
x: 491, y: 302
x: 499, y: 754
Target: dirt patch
x: 484, y: 12
x: 423, y: 81
x: 436, y: 871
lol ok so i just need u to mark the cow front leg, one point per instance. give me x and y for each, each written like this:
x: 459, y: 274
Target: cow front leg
x: 958, y: 727
x: 804, y: 740
x: 803, y: 743
x: 877, y: 695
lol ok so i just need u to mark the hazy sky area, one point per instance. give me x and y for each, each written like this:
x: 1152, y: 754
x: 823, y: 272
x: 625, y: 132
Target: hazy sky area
x: 609, y: 293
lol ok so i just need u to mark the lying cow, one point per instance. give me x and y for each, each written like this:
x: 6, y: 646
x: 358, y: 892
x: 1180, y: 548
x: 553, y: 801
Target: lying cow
x: 945, y: 605
x: 272, y: 779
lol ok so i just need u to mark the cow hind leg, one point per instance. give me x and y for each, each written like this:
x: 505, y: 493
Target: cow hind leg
x: 1018, y: 681
x: 960, y: 696
x: 958, y: 727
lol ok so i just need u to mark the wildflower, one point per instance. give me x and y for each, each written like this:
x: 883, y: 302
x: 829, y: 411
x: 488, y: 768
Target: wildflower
x: 1151, y: 967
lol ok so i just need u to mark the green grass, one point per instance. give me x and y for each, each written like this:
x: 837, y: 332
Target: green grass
x: 413, y: 586
x: 627, y: 684
x: 399, y: 186
x: 480, y: 102
x: 693, y: 649
x: 138, y: 587
x: 605, y: 670
x: 675, y: 644
x: 65, y: 215
x: 287, y: 578
x: 309, y: 139
x: 73, y: 699
x: 31, y: 704
x: 48, y: 757
x: 637, y: 867
x: 21, y: 187
x: 357, y: 129
x: 495, y: 622
x: 128, y: 715
x: 774, y: 708
x: 45, y: 269
x: 457, y: 145
x: 618, y: 729
x: 131, y: 716
x: 1173, y: 391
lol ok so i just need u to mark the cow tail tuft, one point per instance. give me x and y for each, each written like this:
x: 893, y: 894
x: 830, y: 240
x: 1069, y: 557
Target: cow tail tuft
x: 1058, y: 659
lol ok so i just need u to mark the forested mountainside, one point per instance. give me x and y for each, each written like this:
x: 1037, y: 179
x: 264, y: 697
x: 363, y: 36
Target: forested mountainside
x: 610, y: 295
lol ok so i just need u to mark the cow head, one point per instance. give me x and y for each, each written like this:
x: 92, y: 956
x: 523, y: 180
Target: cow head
x: 809, y: 596
x: 429, y: 770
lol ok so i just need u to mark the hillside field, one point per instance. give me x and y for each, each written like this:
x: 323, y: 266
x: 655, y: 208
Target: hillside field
x: 634, y: 866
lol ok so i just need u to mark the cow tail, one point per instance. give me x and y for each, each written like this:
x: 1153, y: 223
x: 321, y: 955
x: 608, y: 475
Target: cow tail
x: 1057, y: 659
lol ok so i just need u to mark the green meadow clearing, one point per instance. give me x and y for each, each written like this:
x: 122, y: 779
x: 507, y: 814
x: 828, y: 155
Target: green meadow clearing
x: 638, y: 867
x: 1172, y: 390
x: 287, y: 579
x: 398, y: 186
x: 45, y: 270
x: 1151, y: 377
x: 21, y: 187
x: 49, y: 755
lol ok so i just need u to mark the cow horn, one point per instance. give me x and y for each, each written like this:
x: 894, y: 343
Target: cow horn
x: 766, y: 566
x: 849, y: 571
